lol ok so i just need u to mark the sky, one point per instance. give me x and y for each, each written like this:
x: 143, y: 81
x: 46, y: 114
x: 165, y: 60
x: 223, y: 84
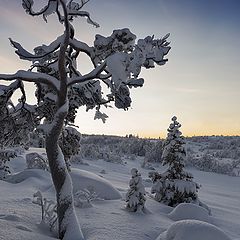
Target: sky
x: 200, y: 84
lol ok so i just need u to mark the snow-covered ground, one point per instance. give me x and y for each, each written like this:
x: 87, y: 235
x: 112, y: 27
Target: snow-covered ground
x: 107, y: 218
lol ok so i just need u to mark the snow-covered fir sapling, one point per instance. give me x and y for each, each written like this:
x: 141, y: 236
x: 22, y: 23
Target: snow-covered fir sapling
x: 61, y: 88
x: 135, y: 196
x: 175, y: 185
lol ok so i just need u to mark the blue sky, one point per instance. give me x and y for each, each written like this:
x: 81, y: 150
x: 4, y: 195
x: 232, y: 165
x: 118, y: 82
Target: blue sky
x: 200, y: 83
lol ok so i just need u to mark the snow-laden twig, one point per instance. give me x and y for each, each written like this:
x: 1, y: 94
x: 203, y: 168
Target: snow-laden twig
x: 48, y: 210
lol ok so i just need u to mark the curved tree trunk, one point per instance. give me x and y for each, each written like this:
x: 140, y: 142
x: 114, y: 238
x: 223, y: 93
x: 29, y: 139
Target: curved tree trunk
x: 69, y: 228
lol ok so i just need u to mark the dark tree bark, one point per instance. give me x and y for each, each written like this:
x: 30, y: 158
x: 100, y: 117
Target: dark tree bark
x: 67, y: 220
x: 62, y: 181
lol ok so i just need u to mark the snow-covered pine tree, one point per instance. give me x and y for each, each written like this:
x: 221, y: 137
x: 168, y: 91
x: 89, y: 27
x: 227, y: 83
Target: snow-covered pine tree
x: 135, y: 196
x: 62, y: 88
x: 175, y: 185
x: 174, y: 153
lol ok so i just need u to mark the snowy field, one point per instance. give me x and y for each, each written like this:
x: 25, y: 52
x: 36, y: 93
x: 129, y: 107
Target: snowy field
x: 106, y: 218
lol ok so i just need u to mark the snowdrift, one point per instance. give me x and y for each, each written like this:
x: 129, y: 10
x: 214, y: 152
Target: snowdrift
x: 28, y: 174
x: 86, y: 180
x: 193, y: 229
x: 81, y: 180
x: 186, y: 211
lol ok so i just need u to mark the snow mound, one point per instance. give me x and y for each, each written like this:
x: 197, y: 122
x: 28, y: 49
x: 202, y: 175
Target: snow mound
x: 193, y: 229
x: 81, y: 180
x: 86, y: 180
x: 189, y: 211
x: 29, y: 173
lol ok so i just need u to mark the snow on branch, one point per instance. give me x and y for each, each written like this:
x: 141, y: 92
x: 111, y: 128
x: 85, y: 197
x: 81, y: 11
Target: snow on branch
x: 50, y: 8
x: 73, y: 8
x: 40, y: 52
x: 91, y: 75
x: 74, y: 11
x: 153, y: 50
x: 125, y: 58
x: 81, y: 46
x: 32, y: 77
x: 77, y: 13
x: 121, y: 40
x: 7, y: 91
x: 135, y: 82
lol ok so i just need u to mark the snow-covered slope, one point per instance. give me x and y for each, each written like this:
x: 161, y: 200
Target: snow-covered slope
x: 108, y: 219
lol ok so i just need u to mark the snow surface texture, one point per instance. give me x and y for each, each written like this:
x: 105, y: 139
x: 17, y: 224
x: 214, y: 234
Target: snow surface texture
x: 194, y: 229
x: 108, y: 220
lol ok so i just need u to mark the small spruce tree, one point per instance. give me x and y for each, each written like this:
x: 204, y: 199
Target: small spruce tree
x: 135, y: 196
x: 175, y: 185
